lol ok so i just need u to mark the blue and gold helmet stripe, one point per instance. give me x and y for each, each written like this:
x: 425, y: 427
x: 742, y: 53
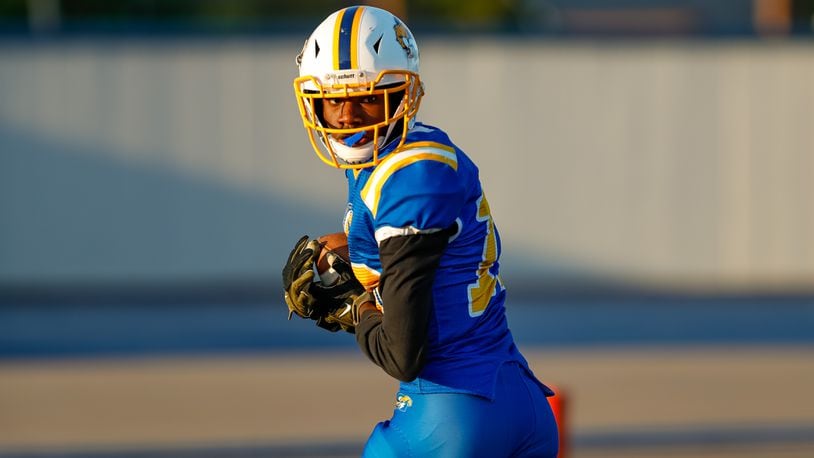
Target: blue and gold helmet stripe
x: 346, y: 33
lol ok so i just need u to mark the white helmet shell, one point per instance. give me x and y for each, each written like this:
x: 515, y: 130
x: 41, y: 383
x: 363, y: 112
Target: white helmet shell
x: 354, y: 44
x: 359, y: 50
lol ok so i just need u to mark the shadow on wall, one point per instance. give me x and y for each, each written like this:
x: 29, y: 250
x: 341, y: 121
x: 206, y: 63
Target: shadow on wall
x: 73, y: 218
x: 154, y: 260
x: 78, y: 226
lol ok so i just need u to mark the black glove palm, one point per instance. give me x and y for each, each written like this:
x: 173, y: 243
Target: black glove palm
x: 311, y: 299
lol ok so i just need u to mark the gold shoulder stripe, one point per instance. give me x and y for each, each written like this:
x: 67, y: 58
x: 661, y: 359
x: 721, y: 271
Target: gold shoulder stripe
x: 434, y: 145
x: 409, y: 154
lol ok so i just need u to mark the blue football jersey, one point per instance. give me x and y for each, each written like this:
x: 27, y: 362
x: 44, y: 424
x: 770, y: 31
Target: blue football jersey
x: 426, y: 185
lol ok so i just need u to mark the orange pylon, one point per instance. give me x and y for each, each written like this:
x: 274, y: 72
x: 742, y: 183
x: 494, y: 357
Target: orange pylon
x: 559, y: 405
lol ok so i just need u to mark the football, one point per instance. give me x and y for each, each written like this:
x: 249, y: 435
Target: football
x: 335, y: 244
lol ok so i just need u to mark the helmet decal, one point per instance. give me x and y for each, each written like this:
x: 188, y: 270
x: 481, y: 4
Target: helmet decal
x: 403, y: 37
x: 298, y: 59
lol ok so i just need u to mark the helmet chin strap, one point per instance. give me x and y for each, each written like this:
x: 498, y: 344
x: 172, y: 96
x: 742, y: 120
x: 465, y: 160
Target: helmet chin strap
x: 351, y: 154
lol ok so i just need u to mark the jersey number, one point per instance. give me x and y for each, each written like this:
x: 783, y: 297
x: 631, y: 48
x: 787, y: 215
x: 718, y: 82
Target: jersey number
x: 482, y: 290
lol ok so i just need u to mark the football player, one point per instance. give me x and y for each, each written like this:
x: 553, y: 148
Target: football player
x: 424, y: 247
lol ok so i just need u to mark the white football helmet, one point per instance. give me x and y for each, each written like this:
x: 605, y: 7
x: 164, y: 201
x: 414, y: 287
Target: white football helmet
x: 358, y: 51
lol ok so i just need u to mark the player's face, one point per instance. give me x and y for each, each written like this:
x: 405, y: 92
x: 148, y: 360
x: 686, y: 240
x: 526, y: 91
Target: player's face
x: 354, y: 112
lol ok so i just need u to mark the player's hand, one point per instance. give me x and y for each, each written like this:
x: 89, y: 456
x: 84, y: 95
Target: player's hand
x: 337, y: 300
x: 311, y: 299
x: 298, y: 276
x: 346, y: 317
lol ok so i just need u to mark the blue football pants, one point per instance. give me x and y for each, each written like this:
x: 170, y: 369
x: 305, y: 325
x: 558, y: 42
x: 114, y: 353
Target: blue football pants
x: 517, y: 423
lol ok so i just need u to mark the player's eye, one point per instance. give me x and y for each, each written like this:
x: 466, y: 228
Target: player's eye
x: 366, y: 99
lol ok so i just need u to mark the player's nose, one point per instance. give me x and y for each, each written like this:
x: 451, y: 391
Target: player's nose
x: 349, y: 112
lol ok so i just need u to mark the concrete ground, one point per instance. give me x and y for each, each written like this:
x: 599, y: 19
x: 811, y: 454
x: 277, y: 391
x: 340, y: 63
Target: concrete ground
x: 620, y: 402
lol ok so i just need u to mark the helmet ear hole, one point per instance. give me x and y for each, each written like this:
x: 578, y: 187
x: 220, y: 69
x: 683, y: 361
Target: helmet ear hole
x: 378, y: 43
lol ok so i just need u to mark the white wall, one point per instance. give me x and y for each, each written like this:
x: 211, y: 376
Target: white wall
x: 680, y: 164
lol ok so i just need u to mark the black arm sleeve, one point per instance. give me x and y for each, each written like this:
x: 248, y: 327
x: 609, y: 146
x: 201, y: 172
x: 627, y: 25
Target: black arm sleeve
x: 396, y: 340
